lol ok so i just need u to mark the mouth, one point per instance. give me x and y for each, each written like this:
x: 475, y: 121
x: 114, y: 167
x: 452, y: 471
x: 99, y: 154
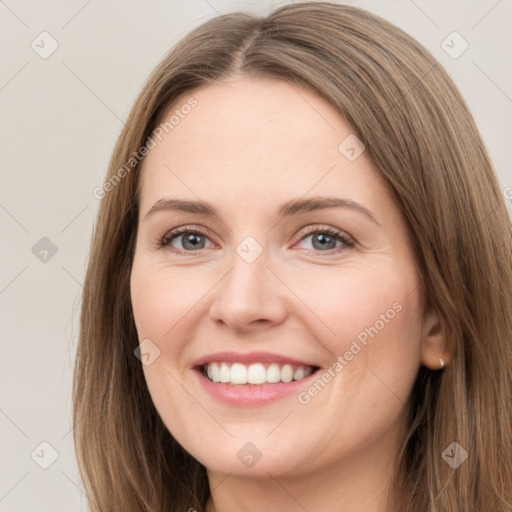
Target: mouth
x: 254, y: 374
x: 252, y: 379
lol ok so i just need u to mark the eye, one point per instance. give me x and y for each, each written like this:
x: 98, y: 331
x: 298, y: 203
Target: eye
x: 190, y: 239
x: 327, y: 239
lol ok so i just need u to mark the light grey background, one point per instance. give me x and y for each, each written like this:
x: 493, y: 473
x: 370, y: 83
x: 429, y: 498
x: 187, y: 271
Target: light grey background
x: 60, y: 117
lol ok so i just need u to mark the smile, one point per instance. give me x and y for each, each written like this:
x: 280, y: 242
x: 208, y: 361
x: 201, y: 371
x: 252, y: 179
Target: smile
x: 255, y: 373
x: 252, y: 378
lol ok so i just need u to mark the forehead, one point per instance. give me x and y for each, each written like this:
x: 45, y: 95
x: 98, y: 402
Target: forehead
x: 261, y: 139
x: 238, y: 115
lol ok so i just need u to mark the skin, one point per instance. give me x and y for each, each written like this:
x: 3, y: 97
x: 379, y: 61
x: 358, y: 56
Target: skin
x: 249, y: 146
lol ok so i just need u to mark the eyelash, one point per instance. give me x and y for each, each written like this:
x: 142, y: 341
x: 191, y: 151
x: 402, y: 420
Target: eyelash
x: 336, y: 233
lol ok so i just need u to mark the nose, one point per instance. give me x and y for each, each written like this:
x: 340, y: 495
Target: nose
x: 249, y: 297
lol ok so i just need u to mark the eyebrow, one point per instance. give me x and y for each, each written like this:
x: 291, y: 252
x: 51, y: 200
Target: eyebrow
x: 292, y: 207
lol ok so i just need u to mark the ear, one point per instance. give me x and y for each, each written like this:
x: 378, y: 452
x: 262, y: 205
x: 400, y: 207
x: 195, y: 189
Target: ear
x: 434, y: 354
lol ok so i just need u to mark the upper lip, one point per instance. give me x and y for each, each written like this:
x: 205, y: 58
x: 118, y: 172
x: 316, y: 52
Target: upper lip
x: 248, y: 358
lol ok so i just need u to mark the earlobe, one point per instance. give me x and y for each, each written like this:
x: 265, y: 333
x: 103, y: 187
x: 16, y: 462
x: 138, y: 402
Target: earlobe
x: 434, y: 353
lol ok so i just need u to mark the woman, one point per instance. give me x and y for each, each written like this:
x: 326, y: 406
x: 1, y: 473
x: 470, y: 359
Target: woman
x: 300, y: 286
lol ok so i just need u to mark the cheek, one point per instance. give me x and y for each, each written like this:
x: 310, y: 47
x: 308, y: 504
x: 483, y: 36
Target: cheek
x: 368, y: 318
x: 360, y: 302
x: 374, y: 337
x: 162, y: 302
x: 162, y: 297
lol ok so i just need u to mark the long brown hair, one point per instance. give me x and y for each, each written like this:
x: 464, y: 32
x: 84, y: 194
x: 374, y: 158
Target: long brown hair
x: 422, y: 138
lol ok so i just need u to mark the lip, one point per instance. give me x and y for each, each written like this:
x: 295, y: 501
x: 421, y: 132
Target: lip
x: 249, y: 358
x: 247, y: 395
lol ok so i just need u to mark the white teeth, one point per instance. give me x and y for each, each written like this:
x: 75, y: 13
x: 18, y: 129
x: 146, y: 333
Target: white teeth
x: 238, y: 374
x: 300, y: 373
x: 287, y: 373
x: 273, y: 373
x: 215, y: 372
x: 256, y: 373
x: 225, y: 373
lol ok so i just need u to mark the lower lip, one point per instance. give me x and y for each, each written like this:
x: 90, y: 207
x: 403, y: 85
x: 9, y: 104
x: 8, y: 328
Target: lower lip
x: 252, y: 394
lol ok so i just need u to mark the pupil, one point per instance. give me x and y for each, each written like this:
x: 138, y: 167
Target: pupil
x: 324, y: 241
x: 193, y: 240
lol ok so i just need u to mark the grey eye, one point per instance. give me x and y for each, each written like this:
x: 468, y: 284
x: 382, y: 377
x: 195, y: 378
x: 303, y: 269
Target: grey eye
x: 192, y: 241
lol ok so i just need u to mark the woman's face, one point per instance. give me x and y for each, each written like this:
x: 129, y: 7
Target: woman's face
x: 270, y: 285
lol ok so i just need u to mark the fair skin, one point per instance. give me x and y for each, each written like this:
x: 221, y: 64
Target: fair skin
x: 248, y: 147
